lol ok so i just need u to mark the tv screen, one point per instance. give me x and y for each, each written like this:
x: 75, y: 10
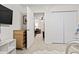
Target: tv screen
x: 5, y: 15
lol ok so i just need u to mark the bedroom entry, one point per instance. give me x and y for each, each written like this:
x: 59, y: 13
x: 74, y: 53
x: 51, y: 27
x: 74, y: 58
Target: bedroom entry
x: 39, y: 25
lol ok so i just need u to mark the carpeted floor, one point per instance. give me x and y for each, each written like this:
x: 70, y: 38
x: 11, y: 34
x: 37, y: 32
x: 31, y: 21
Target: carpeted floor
x: 39, y: 46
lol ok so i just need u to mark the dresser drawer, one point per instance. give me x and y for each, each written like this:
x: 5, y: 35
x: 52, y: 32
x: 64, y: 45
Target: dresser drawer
x: 19, y: 35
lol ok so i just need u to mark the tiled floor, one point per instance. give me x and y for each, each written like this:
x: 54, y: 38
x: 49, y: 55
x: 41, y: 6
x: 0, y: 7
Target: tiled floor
x: 39, y: 45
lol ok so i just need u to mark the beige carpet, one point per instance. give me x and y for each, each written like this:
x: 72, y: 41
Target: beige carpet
x: 39, y: 45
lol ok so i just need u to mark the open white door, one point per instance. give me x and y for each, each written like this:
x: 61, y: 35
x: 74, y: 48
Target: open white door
x: 30, y: 27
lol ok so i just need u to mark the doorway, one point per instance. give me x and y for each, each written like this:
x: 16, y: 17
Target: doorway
x: 39, y: 25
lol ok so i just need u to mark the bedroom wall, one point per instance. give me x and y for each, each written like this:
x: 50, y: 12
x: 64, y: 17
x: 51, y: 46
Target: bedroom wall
x: 7, y: 30
x: 47, y: 9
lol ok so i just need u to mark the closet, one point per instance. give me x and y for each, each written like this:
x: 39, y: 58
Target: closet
x: 60, y: 26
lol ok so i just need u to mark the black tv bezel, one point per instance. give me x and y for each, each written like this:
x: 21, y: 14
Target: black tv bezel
x: 11, y: 12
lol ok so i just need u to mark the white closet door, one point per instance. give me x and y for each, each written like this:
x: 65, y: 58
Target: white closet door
x: 54, y: 28
x: 57, y: 28
x: 70, y: 22
x: 60, y: 27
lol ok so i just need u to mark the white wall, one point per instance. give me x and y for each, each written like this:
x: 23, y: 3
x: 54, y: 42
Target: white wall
x: 7, y: 30
x: 54, y: 7
x: 18, y: 11
x: 30, y: 27
x: 47, y: 9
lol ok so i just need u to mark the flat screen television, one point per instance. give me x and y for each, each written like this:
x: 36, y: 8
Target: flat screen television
x: 5, y: 15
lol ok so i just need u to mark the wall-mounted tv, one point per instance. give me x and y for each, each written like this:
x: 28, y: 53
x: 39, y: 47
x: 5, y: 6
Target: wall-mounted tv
x: 5, y: 15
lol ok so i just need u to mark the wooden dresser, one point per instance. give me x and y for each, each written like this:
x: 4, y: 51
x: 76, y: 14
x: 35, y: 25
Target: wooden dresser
x: 20, y: 36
